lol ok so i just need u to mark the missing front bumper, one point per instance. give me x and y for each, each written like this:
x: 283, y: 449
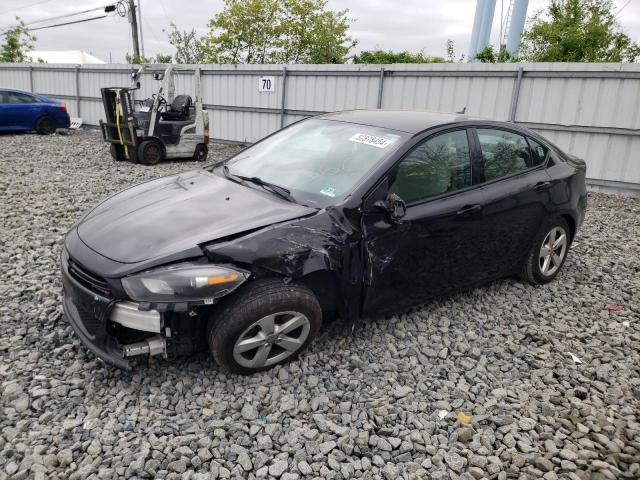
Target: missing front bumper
x: 88, y: 313
x: 128, y: 315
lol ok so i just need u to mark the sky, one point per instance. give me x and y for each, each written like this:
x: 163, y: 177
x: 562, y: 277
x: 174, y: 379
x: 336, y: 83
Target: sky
x: 413, y: 25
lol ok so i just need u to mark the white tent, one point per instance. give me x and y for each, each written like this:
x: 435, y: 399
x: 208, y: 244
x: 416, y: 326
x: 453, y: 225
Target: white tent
x: 63, y: 56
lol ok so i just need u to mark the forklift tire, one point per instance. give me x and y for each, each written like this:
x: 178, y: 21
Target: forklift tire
x: 150, y: 152
x: 117, y: 152
x: 201, y: 152
x: 45, y: 126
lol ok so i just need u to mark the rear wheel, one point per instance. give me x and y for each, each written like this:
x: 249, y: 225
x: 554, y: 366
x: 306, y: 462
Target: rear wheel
x: 548, y: 254
x: 45, y: 126
x: 201, y: 152
x: 264, y: 324
x: 150, y: 152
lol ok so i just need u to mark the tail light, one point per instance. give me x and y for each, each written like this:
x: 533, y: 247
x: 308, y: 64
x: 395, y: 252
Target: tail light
x: 63, y: 107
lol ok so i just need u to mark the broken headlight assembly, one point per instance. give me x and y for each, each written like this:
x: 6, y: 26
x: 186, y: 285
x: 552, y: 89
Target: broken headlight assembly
x: 184, y: 282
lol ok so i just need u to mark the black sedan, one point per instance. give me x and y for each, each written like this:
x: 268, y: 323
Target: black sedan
x: 355, y: 214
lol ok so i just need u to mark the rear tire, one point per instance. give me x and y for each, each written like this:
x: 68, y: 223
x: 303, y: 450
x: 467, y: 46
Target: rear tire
x: 548, y: 253
x: 45, y: 126
x: 201, y: 152
x: 280, y: 319
x: 150, y: 152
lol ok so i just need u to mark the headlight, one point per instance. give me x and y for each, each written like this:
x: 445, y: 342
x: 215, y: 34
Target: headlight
x: 184, y: 282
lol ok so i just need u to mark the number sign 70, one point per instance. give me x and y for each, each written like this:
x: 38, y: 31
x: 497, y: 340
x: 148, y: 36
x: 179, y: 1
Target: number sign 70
x: 266, y: 84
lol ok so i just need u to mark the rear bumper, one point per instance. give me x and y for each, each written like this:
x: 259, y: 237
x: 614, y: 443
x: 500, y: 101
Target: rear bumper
x: 63, y: 121
x: 87, y: 313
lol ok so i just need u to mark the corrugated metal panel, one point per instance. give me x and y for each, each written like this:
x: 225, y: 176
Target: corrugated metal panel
x: 568, y: 103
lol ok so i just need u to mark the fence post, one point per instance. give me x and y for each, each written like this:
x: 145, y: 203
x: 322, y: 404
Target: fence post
x: 380, y: 85
x: 78, y: 91
x: 31, y: 78
x: 283, y: 96
x: 515, y: 93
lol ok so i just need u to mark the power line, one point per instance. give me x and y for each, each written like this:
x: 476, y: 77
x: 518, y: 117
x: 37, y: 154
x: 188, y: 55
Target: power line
x: 68, y: 23
x: 58, y: 17
x: 66, y: 15
x: 622, y: 8
x: 24, y: 6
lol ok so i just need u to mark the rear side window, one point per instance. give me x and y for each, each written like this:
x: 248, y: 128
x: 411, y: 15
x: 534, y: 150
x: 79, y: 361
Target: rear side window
x: 538, y: 152
x: 438, y: 165
x: 17, y: 97
x: 504, y: 153
x: 4, y: 97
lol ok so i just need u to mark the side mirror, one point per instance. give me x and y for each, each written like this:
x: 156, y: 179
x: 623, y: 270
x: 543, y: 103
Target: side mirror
x: 394, y: 206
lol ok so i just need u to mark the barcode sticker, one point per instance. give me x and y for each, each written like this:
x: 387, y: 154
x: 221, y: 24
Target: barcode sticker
x: 372, y: 140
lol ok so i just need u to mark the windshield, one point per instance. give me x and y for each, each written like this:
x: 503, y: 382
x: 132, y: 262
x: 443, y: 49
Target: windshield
x: 317, y: 160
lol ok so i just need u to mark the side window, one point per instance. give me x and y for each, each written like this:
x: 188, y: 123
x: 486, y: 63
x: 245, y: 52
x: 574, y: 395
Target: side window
x: 538, y: 152
x: 504, y: 153
x: 17, y: 97
x: 438, y: 165
x: 4, y: 98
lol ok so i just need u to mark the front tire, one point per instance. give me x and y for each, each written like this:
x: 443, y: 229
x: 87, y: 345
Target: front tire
x: 548, y: 253
x: 265, y: 323
x: 117, y: 152
x: 150, y: 152
x: 45, y: 126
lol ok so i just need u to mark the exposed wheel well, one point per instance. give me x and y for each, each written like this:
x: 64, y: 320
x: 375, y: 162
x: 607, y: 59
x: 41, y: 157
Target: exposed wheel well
x: 323, y: 286
x: 572, y: 225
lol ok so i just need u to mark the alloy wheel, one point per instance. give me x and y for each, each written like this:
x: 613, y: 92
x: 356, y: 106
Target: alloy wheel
x: 552, y: 251
x: 271, y: 339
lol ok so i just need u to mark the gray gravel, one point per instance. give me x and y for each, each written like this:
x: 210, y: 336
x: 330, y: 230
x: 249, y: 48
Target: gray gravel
x: 379, y: 402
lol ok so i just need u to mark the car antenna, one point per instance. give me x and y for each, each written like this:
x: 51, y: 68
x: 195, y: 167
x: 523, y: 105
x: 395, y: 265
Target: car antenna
x: 464, y: 109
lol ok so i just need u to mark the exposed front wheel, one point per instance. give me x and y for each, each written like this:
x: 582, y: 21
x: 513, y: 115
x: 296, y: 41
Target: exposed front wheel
x: 150, y: 152
x: 201, y: 152
x: 45, y: 126
x: 263, y: 324
x: 548, y: 254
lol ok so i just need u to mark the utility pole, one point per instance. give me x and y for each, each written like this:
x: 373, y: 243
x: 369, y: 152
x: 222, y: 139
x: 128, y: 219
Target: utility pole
x: 134, y: 29
x: 140, y: 20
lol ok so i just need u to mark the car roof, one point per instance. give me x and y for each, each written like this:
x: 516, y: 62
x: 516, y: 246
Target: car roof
x: 17, y: 90
x: 409, y: 121
x: 6, y: 89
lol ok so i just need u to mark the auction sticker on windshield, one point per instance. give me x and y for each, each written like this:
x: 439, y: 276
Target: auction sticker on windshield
x: 372, y: 140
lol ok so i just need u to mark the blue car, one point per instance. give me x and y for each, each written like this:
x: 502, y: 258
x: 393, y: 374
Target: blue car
x: 26, y: 111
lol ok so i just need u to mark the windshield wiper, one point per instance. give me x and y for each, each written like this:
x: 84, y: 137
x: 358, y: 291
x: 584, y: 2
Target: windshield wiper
x: 229, y: 175
x: 279, y: 190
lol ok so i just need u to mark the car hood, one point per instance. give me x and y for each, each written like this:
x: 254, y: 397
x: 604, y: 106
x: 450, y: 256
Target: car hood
x: 176, y: 213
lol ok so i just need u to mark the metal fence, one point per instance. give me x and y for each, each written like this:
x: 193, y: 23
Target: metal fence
x: 589, y: 110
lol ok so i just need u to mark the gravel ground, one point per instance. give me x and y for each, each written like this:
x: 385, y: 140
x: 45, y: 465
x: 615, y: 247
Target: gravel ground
x: 506, y: 381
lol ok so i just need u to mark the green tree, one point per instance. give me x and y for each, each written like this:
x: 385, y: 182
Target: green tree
x: 189, y: 49
x: 277, y: 31
x: 17, y: 41
x: 309, y: 33
x: 489, y: 55
x: 380, y: 56
x: 160, y: 58
x: 451, y: 51
x: 577, y: 31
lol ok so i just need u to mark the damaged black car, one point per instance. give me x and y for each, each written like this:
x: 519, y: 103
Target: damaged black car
x: 355, y: 214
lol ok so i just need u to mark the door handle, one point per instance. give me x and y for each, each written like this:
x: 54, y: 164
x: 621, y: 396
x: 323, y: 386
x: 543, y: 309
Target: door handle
x: 469, y: 210
x: 541, y: 186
